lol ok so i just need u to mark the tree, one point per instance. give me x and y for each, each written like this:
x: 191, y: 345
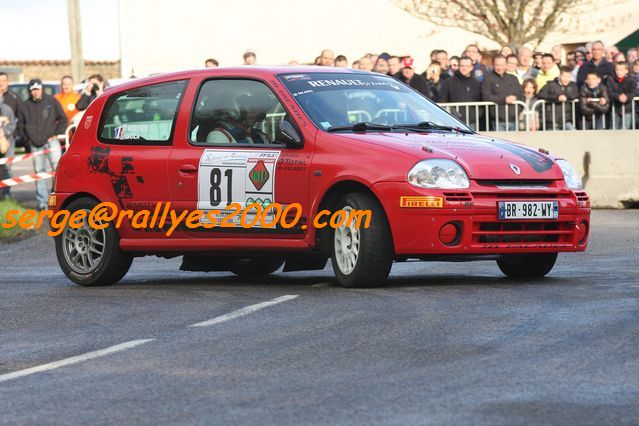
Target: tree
x: 505, y: 22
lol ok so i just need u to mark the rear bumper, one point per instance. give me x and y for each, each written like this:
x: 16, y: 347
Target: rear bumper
x: 474, y: 216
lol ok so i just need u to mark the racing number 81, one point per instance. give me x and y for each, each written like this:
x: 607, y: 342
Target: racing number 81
x: 215, y: 193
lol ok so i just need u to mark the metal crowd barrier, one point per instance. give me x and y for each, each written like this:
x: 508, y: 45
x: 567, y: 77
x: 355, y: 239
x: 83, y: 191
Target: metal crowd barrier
x: 543, y: 115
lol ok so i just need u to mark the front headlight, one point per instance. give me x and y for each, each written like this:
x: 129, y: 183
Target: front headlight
x: 438, y: 173
x: 572, y: 178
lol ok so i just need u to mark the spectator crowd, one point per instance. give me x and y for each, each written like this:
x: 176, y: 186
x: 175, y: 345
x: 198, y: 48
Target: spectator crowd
x: 592, y: 87
x: 579, y: 90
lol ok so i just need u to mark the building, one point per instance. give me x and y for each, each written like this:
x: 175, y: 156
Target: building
x: 157, y: 39
x: 52, y: 70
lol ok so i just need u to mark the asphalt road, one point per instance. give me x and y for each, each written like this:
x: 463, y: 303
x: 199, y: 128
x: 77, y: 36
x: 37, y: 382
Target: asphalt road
x: 443, y: 343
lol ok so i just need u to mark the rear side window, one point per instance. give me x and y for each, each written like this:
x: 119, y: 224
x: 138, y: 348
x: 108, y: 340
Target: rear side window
x: 144, y: 115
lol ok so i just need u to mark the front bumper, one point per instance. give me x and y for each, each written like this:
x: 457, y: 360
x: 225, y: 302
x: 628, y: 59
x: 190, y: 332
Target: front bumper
x: 474, y: 216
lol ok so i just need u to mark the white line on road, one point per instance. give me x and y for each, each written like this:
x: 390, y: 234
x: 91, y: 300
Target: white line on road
x: 244, y: 311
x: 73, y: 360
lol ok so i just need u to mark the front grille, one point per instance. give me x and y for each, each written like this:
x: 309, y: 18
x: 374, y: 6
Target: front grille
x: 516, y: 195
x: 523, y: 232
x: 514, y: 183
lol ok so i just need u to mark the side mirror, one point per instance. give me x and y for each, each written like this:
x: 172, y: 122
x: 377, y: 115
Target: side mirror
x: 286, y: 133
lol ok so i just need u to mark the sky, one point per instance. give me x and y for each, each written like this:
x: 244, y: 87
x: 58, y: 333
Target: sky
x: 39, y: 29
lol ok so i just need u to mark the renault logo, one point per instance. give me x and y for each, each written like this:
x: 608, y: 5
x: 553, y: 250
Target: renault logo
x: 515, y: 169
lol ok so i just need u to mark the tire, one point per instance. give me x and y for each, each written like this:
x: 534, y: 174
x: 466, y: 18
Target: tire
x: 369, y: 263
x: 527, y: 265
x: 256, y: 266
x: 88, y: 267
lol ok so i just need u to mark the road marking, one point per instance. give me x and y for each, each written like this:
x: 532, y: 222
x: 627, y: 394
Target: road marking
x: 244, y: 311
x: 73, y: 360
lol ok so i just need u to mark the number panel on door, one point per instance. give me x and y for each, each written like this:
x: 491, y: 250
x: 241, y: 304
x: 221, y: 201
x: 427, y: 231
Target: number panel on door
x: 235, y: 176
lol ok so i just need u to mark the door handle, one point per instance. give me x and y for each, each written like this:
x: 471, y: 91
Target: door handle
x: 187, y: 168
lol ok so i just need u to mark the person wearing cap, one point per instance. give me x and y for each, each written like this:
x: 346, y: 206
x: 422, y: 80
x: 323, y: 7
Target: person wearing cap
x: 408, y: 76
x: 249, y: 57
x: 42, y: 119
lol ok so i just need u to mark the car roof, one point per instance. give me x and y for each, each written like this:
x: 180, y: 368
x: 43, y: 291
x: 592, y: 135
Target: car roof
x: 242, y: 71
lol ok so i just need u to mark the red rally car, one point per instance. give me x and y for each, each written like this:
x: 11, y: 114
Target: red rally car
x: 326, y: 139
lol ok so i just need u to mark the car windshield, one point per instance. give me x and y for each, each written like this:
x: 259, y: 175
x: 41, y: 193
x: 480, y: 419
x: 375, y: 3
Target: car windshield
x: 339, y: 101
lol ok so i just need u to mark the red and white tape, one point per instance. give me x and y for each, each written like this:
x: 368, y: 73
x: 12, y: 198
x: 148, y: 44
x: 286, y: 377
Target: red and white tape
x: 26, y: 179
x: 16, y: 158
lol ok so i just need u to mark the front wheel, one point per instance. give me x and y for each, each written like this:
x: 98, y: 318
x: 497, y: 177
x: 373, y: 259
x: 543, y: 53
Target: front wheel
x: 88, y: 256
x: 527, y: 265
x: 362, y: 257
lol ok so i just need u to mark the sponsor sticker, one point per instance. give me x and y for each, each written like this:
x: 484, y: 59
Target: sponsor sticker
x: 421, y: 202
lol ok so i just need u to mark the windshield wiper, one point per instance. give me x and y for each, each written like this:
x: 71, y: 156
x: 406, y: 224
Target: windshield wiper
x: 361, y: 126
x: 429, y: 125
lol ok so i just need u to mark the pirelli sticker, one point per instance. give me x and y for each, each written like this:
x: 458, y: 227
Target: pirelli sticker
x: 421, y: 202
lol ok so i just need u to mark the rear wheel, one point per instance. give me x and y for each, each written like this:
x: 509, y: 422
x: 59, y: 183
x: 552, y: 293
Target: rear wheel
x: 256, y: 266
x: 362, y: 257
x: 527, y: 265
x: 91, y: 257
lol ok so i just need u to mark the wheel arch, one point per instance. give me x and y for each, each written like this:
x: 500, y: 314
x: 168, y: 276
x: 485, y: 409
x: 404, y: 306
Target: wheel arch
x: 330, y: 198
x: 77, y: 196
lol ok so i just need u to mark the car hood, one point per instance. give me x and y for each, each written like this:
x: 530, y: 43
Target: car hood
x: 482, y: 157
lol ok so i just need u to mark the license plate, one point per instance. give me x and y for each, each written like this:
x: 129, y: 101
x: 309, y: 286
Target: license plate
x: 528, y: 210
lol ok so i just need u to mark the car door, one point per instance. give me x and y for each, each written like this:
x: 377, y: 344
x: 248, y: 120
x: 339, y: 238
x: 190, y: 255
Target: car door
x: 136, y: 133
x: 229, y: 154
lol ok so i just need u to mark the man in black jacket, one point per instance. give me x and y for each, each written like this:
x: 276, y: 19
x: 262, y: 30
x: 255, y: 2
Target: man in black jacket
x: 41, y: 120
x: 598, y: 64
x: 463, y: 87
x: 622, y: 88
x: 504, y: 90
x: 560, y: 96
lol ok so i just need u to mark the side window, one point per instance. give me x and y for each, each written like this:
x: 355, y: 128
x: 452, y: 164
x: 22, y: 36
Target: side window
x: 236, y: 112
x: 142, y: 115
